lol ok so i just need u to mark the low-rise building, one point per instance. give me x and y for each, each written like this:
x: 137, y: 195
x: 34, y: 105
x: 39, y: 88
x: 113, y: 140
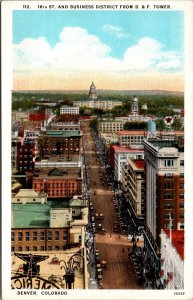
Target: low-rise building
x: 172, y: 258
x: 54, y: 142
x: 29, y: 196
x: 131, y: 137
x: 52, y: 226
x: 64, y: 109
x: 111, y: 126
x: 58, y: 182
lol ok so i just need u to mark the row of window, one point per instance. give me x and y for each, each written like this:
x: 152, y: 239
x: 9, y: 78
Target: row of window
x: 36, y: 248
x: 171, y: 215
x: 170, y: 185
x: 34, y: 236
x: 171, y: 205
x: 171, y: 175
x: 170, y: 162
x: 170, y: 195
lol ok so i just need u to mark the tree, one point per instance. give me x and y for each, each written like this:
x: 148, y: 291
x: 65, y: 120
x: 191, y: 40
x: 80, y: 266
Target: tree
x: 135, y: 126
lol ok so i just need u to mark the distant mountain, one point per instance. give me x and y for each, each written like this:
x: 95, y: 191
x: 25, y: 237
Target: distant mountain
x: 116, y: 92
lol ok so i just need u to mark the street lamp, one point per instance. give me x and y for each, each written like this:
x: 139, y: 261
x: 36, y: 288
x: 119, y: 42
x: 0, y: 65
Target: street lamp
x: 75, y: 263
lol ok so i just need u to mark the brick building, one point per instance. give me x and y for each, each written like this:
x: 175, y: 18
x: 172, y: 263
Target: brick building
x: 164, y: 173
x: 25, y: 156
x: 58, y: 182
x: 65, y: 122
x: 46, y: 227
x: 54, y: 142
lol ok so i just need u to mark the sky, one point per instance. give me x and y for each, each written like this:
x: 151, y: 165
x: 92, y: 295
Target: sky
x: 115, y: 49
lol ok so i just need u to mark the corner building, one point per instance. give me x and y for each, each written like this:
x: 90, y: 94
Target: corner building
x: 164, y: 173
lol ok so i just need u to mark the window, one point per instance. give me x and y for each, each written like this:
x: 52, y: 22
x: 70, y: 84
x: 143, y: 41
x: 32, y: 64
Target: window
x: 80, y: 239
x: 18, y: 200
x: 19, y: 248
x: 13, y: 236
x: 181, y: 226
x: 169, y: 175
x: 20, y: 236
x: 35, y: 248
x: 168, y: 216
x: 168, y: 185
x: 27, y: 248
x: 12, y: 249
x: 181, y: 175
x: 42, y: 236
x: 168, y: 206
x: 57, y: 248
x: 182, y: 196
x: 182, y: 162
x: 35, y: 235
x: 42, y: 248
x: 27, y: 236
x: 57, y: 235
x: 169, y: 162
x: 168, y: 195
x: 181, y: 215
x: 49, y: 248
x: 182, y: 186
x: 49, y: 235
x: 181, y: 204
x: 64, y: 235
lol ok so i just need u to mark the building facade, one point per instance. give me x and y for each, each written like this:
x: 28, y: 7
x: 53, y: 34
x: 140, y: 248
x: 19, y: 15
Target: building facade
x: 58, y: 182
x: 172, y: 257
x: 131, y: 137
x: 25, y: 156
x: 164, y: 172
x: 61, y: 142
x: 69, y: 110
x: 133, y: 185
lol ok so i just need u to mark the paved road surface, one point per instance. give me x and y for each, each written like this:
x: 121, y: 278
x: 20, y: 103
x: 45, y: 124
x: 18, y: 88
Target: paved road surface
x: 113, y: 247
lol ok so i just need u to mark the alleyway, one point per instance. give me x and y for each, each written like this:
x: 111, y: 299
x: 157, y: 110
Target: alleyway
x: 112, y: 247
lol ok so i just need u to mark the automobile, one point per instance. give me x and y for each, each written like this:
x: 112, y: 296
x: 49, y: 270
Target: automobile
x: 115, y: 226
x: 101, y: 216
x: 99, y: 226
x: 92, y: 219
x: 97, y: 216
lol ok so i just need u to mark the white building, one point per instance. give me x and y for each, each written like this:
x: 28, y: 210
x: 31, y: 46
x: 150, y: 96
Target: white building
x: 131, y: 137
x: 69, y: 110
x: 121, y: 158
x: 29, y: 196
x: 172, y: 257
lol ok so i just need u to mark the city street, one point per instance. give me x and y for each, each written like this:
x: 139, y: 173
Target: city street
x: 111, y: 246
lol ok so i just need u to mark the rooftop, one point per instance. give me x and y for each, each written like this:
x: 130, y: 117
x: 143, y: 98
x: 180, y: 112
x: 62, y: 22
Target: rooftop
x: 61, y: 133
x: 121, y: 149
x: 133, y: 132
x: 177, y: 240
x: 59, y: 173
x: 34, y: 215
x: 139, y: 163
x: 167, y: 143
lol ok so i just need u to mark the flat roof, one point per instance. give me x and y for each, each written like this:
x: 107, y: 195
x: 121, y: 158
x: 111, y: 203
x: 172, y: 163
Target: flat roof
x: 59, y: 173
x: 61, y: 133
x: 71, y: 157
x: 177, y: 240
x: 34, y: 215
x: 133, y: 132
x: 139, y: 163
x: 120, y: 149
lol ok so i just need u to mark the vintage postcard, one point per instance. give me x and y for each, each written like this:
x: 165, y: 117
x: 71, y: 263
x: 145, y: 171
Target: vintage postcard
x: 97, y: 147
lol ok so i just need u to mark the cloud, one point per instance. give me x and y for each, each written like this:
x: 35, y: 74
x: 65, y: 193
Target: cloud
x: 115, y: 31
x: 80, y: 51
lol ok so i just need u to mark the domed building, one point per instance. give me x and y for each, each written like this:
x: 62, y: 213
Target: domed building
x: 134, y: 106
x: 92, y: 92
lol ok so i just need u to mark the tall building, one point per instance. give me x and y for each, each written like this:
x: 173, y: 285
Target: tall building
x: 25, y: 156
x: 134, y: 106
x: 164, y: 172
x: 133, y: 185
